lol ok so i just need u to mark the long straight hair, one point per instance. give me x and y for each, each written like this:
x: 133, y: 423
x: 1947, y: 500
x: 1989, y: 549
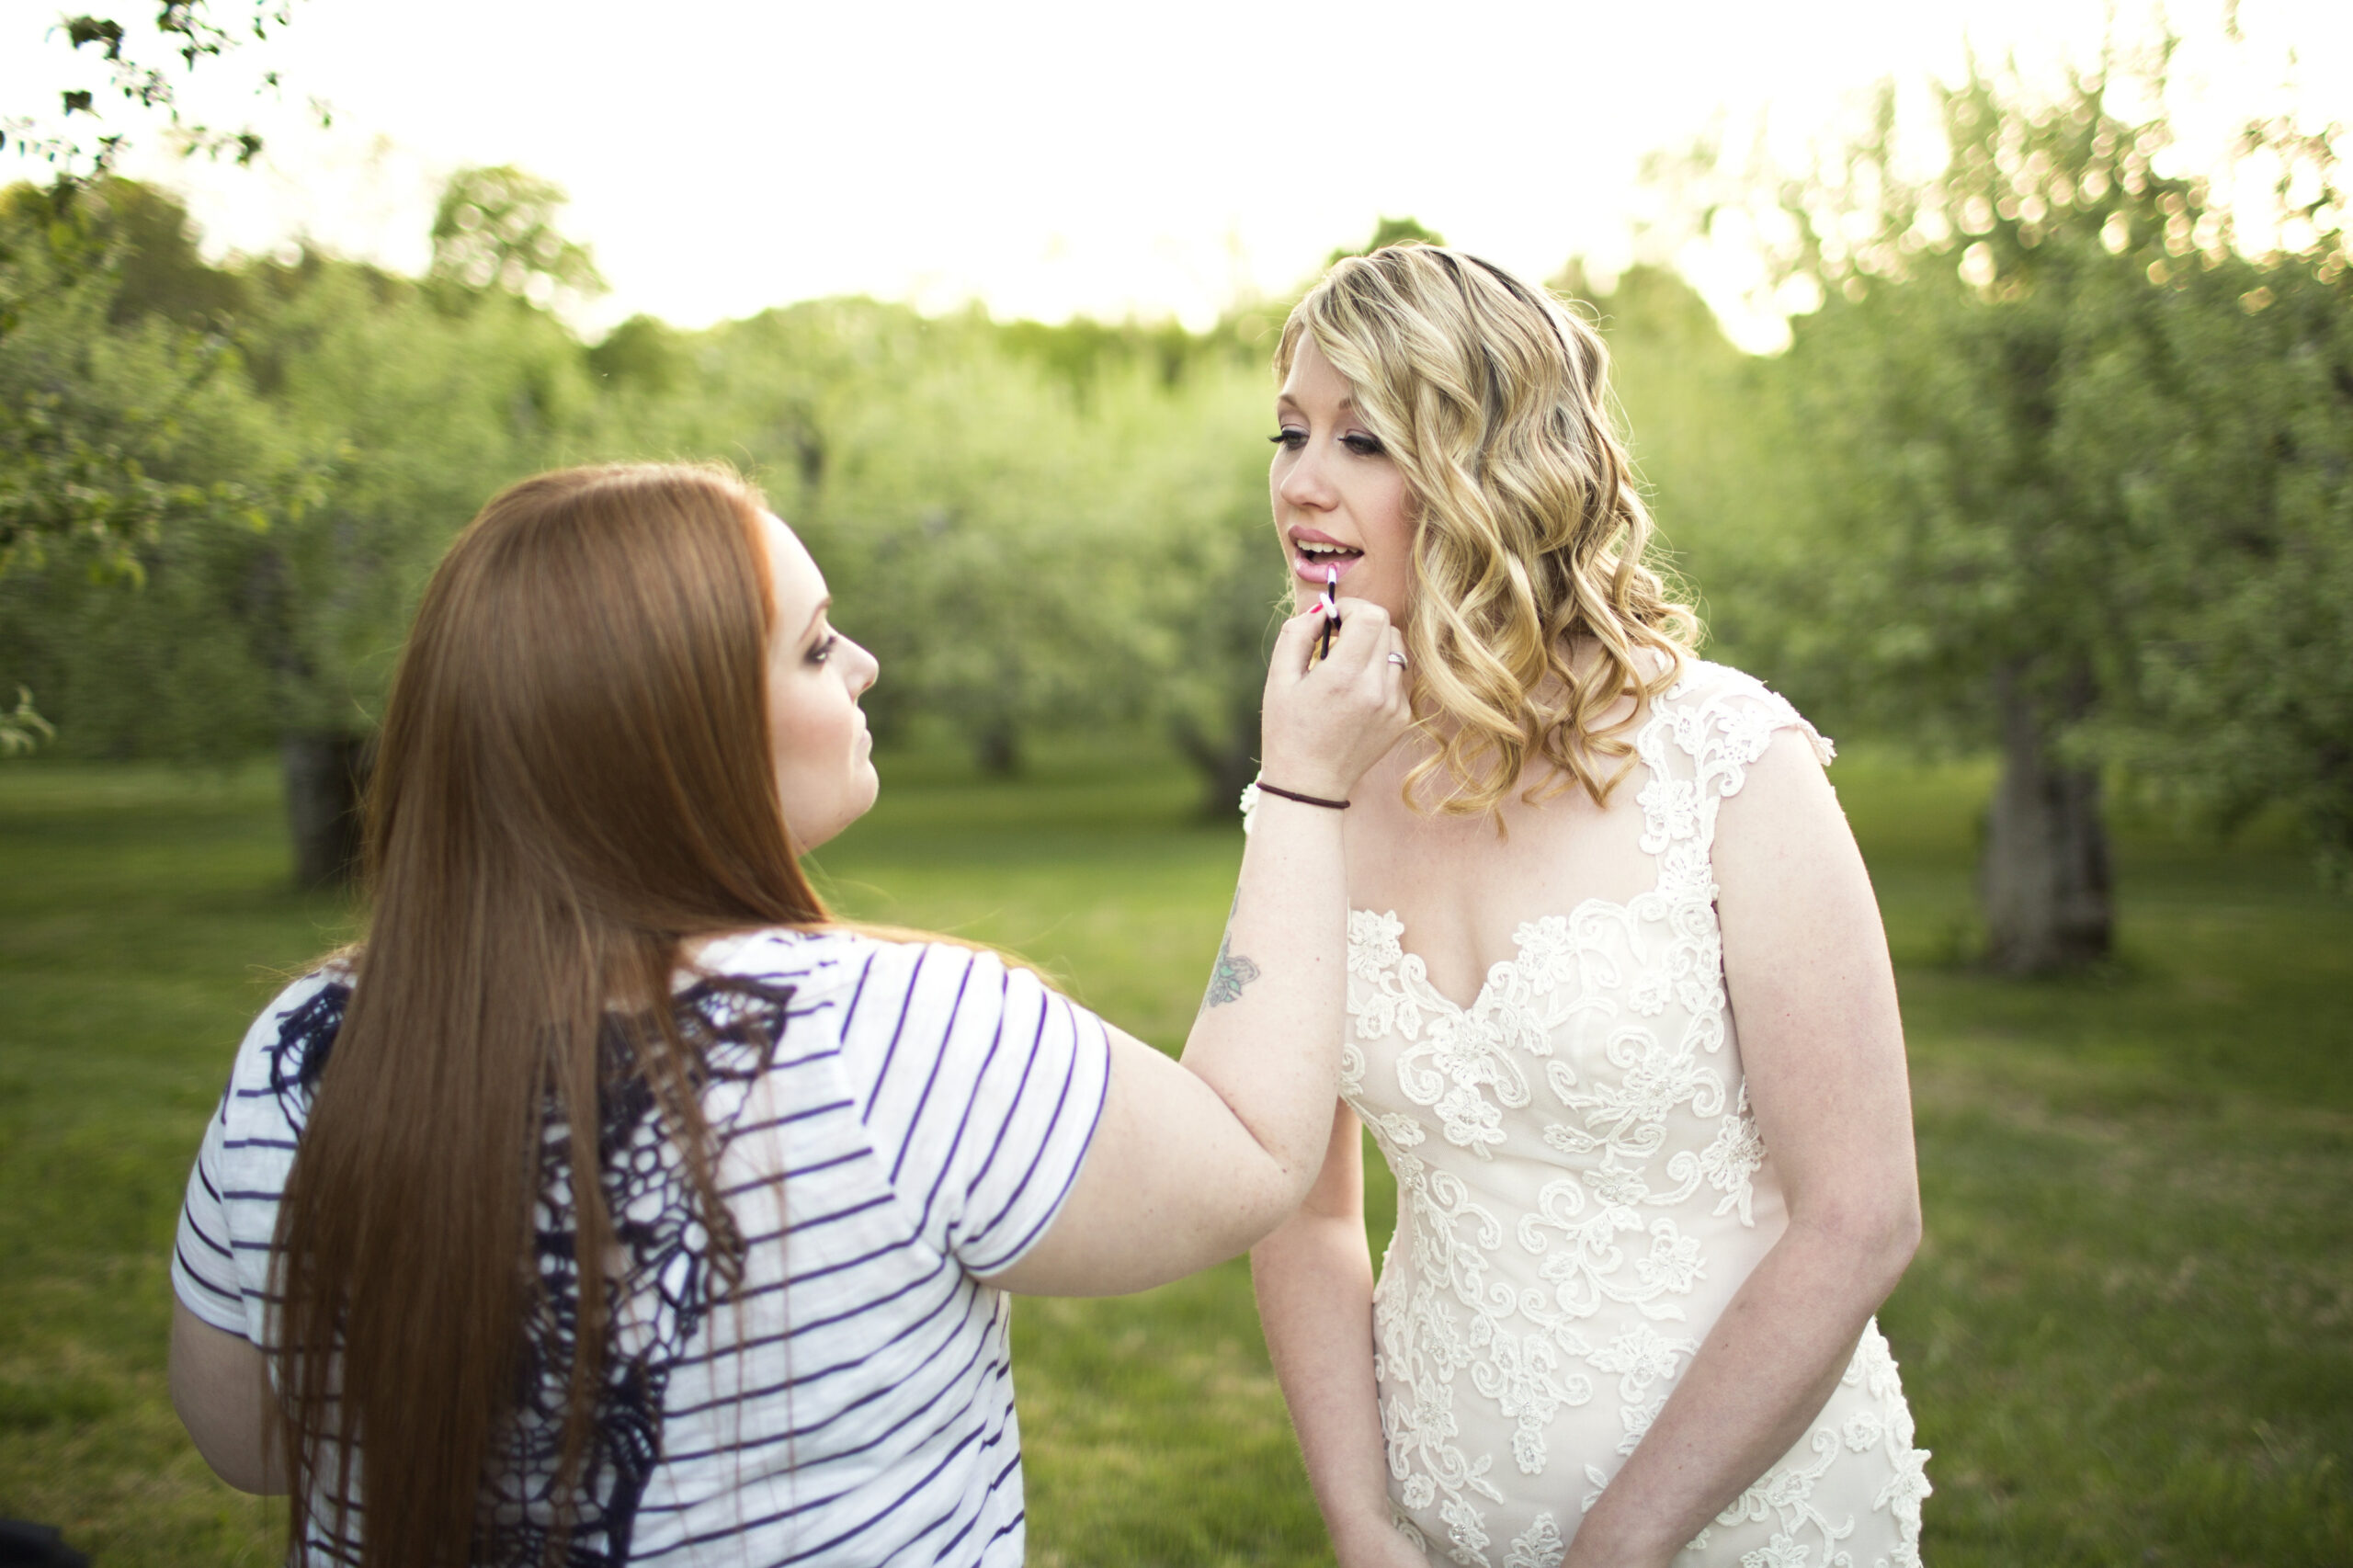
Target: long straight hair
x: 575, y: 773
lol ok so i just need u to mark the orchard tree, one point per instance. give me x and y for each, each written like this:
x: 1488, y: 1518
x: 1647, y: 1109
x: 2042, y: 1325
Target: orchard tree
x: 73, y: 482
x: 323, y: 429
x: 1981, y: 415
x: 495, y: 231
x: 115, y: 434
x: 2239, y: 398
x: 1035, y: 527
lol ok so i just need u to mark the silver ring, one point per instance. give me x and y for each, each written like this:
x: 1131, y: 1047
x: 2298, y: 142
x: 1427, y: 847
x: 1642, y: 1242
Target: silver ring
x: 1398, y: 660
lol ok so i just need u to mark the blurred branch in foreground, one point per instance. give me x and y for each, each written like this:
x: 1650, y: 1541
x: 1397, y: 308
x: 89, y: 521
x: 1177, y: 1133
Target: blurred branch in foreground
x: 143, y: 64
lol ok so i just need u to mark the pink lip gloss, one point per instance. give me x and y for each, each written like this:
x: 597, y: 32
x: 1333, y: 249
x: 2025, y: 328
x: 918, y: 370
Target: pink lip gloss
x: 1331, y: 611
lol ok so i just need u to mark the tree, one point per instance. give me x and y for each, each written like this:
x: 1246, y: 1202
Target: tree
x: 114, y: 435
x: 1031, y: 525
x: 61, y: 481
x: 2239, y: 398
x: 1978, y: 559
x: 323, y: 435
x: 495, y: 231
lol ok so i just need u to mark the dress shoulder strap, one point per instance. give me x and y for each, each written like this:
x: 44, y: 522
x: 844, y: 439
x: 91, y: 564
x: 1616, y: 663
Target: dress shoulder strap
x: 1703, y: 735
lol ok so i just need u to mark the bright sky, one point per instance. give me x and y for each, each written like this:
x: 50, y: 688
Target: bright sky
x: 1049, y: 159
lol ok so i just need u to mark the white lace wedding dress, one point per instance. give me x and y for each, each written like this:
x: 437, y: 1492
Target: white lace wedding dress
x: 1580, y: 1189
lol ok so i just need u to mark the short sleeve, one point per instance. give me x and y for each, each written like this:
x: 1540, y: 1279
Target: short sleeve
x: 220, y: 1256
x: 983, y: 1087
x: 204, y: 1263
x: 1722, y: 720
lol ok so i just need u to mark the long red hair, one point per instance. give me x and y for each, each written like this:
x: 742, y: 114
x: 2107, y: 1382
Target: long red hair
x: 574, y: 774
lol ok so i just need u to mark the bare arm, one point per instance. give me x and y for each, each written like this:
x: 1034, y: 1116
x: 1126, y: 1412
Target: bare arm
x: 1195, y: 1160
x: 220, y: 1389
x: 1823, y: 1047
x: 1313, y: 1278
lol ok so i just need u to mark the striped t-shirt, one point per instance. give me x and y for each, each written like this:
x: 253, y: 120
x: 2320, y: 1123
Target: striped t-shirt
x: 928, y: 1109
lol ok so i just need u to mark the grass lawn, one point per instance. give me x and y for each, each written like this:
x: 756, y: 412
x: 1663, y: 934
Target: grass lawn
x: 2129, y: 1338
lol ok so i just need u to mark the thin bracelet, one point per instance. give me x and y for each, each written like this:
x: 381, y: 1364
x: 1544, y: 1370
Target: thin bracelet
x: 1302, y: 800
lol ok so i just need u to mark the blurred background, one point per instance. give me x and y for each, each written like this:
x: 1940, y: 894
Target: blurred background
x: 1990, y: 369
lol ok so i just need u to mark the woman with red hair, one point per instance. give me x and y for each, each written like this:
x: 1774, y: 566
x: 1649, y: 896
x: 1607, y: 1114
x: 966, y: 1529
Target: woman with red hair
x: 611, y: 1202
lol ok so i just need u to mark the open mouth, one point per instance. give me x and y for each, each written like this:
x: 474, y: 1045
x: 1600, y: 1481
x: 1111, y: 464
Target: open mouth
x: 1317, y: 557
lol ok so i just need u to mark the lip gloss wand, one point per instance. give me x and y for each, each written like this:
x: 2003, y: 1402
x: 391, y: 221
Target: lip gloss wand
x: 1331, y: 612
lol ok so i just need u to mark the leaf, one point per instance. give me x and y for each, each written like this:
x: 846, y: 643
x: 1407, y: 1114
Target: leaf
x: 80, y: 31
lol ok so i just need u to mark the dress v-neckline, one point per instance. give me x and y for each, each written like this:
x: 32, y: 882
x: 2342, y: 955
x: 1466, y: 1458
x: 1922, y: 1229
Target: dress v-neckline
x: 1518, y: 949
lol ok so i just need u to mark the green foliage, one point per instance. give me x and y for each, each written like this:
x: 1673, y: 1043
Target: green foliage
x: 109, y: 425
x: 22, y: 729
x: 218, y: 491
x: 1033, y: 528
x: 1389, y: 232
x: 495, y: 229
x: 2238, y: 406
x: 1683, y: 392
x: 642, y: 353
x: 2053, y: 445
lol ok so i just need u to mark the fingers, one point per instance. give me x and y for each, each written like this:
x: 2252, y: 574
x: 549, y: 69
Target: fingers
x: 1328, y: 722
x: 1364, y: 627
x: 1292, y: 644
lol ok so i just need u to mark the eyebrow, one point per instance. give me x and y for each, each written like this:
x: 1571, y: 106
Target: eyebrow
x: 1284, y: 399
x: 818, y: 614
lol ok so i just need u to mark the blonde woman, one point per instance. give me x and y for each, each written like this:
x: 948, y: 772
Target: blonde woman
x: 1619, y: 1012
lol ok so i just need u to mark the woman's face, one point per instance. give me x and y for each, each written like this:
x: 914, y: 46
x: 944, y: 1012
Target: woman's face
x: 825, y: 769
x: 1340, y: 503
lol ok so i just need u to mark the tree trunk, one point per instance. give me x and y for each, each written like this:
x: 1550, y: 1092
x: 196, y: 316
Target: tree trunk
x: 2045, y: 873
x: 1226, y: 766
x: 324, y: 771
x: 996, y: 749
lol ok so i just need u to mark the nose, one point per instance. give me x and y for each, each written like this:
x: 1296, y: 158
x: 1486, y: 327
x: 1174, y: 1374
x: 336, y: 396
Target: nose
x: 865, y: 669
x: 1305, y: 483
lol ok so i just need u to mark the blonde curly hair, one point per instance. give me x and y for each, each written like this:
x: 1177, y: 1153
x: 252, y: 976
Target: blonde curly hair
x: 1530, y: 534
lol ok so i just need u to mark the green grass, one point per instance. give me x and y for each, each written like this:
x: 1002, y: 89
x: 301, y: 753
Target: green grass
x: 2129, y: 1337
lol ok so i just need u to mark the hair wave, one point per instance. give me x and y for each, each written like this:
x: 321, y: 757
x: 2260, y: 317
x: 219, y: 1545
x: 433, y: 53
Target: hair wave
x: 1534, y: 610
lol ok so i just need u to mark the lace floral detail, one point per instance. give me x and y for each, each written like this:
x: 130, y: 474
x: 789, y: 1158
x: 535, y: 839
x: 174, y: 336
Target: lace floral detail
x: 1538, y: 1546
x: 1783, y: 1498
x: 1575, y: 1156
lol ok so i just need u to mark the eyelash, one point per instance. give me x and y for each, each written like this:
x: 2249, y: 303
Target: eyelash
x: 1292, y: 440
x: 818, y: 654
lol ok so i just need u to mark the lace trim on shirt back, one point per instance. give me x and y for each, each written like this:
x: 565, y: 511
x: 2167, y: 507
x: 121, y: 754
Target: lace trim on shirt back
x: 660, y: 1293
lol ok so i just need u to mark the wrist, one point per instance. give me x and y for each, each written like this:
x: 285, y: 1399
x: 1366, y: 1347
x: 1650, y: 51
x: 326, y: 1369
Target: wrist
x: 1361, y: 1533
x: 1303, y: 797
x: 1279, y: 781
x: 1599, y: 1544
